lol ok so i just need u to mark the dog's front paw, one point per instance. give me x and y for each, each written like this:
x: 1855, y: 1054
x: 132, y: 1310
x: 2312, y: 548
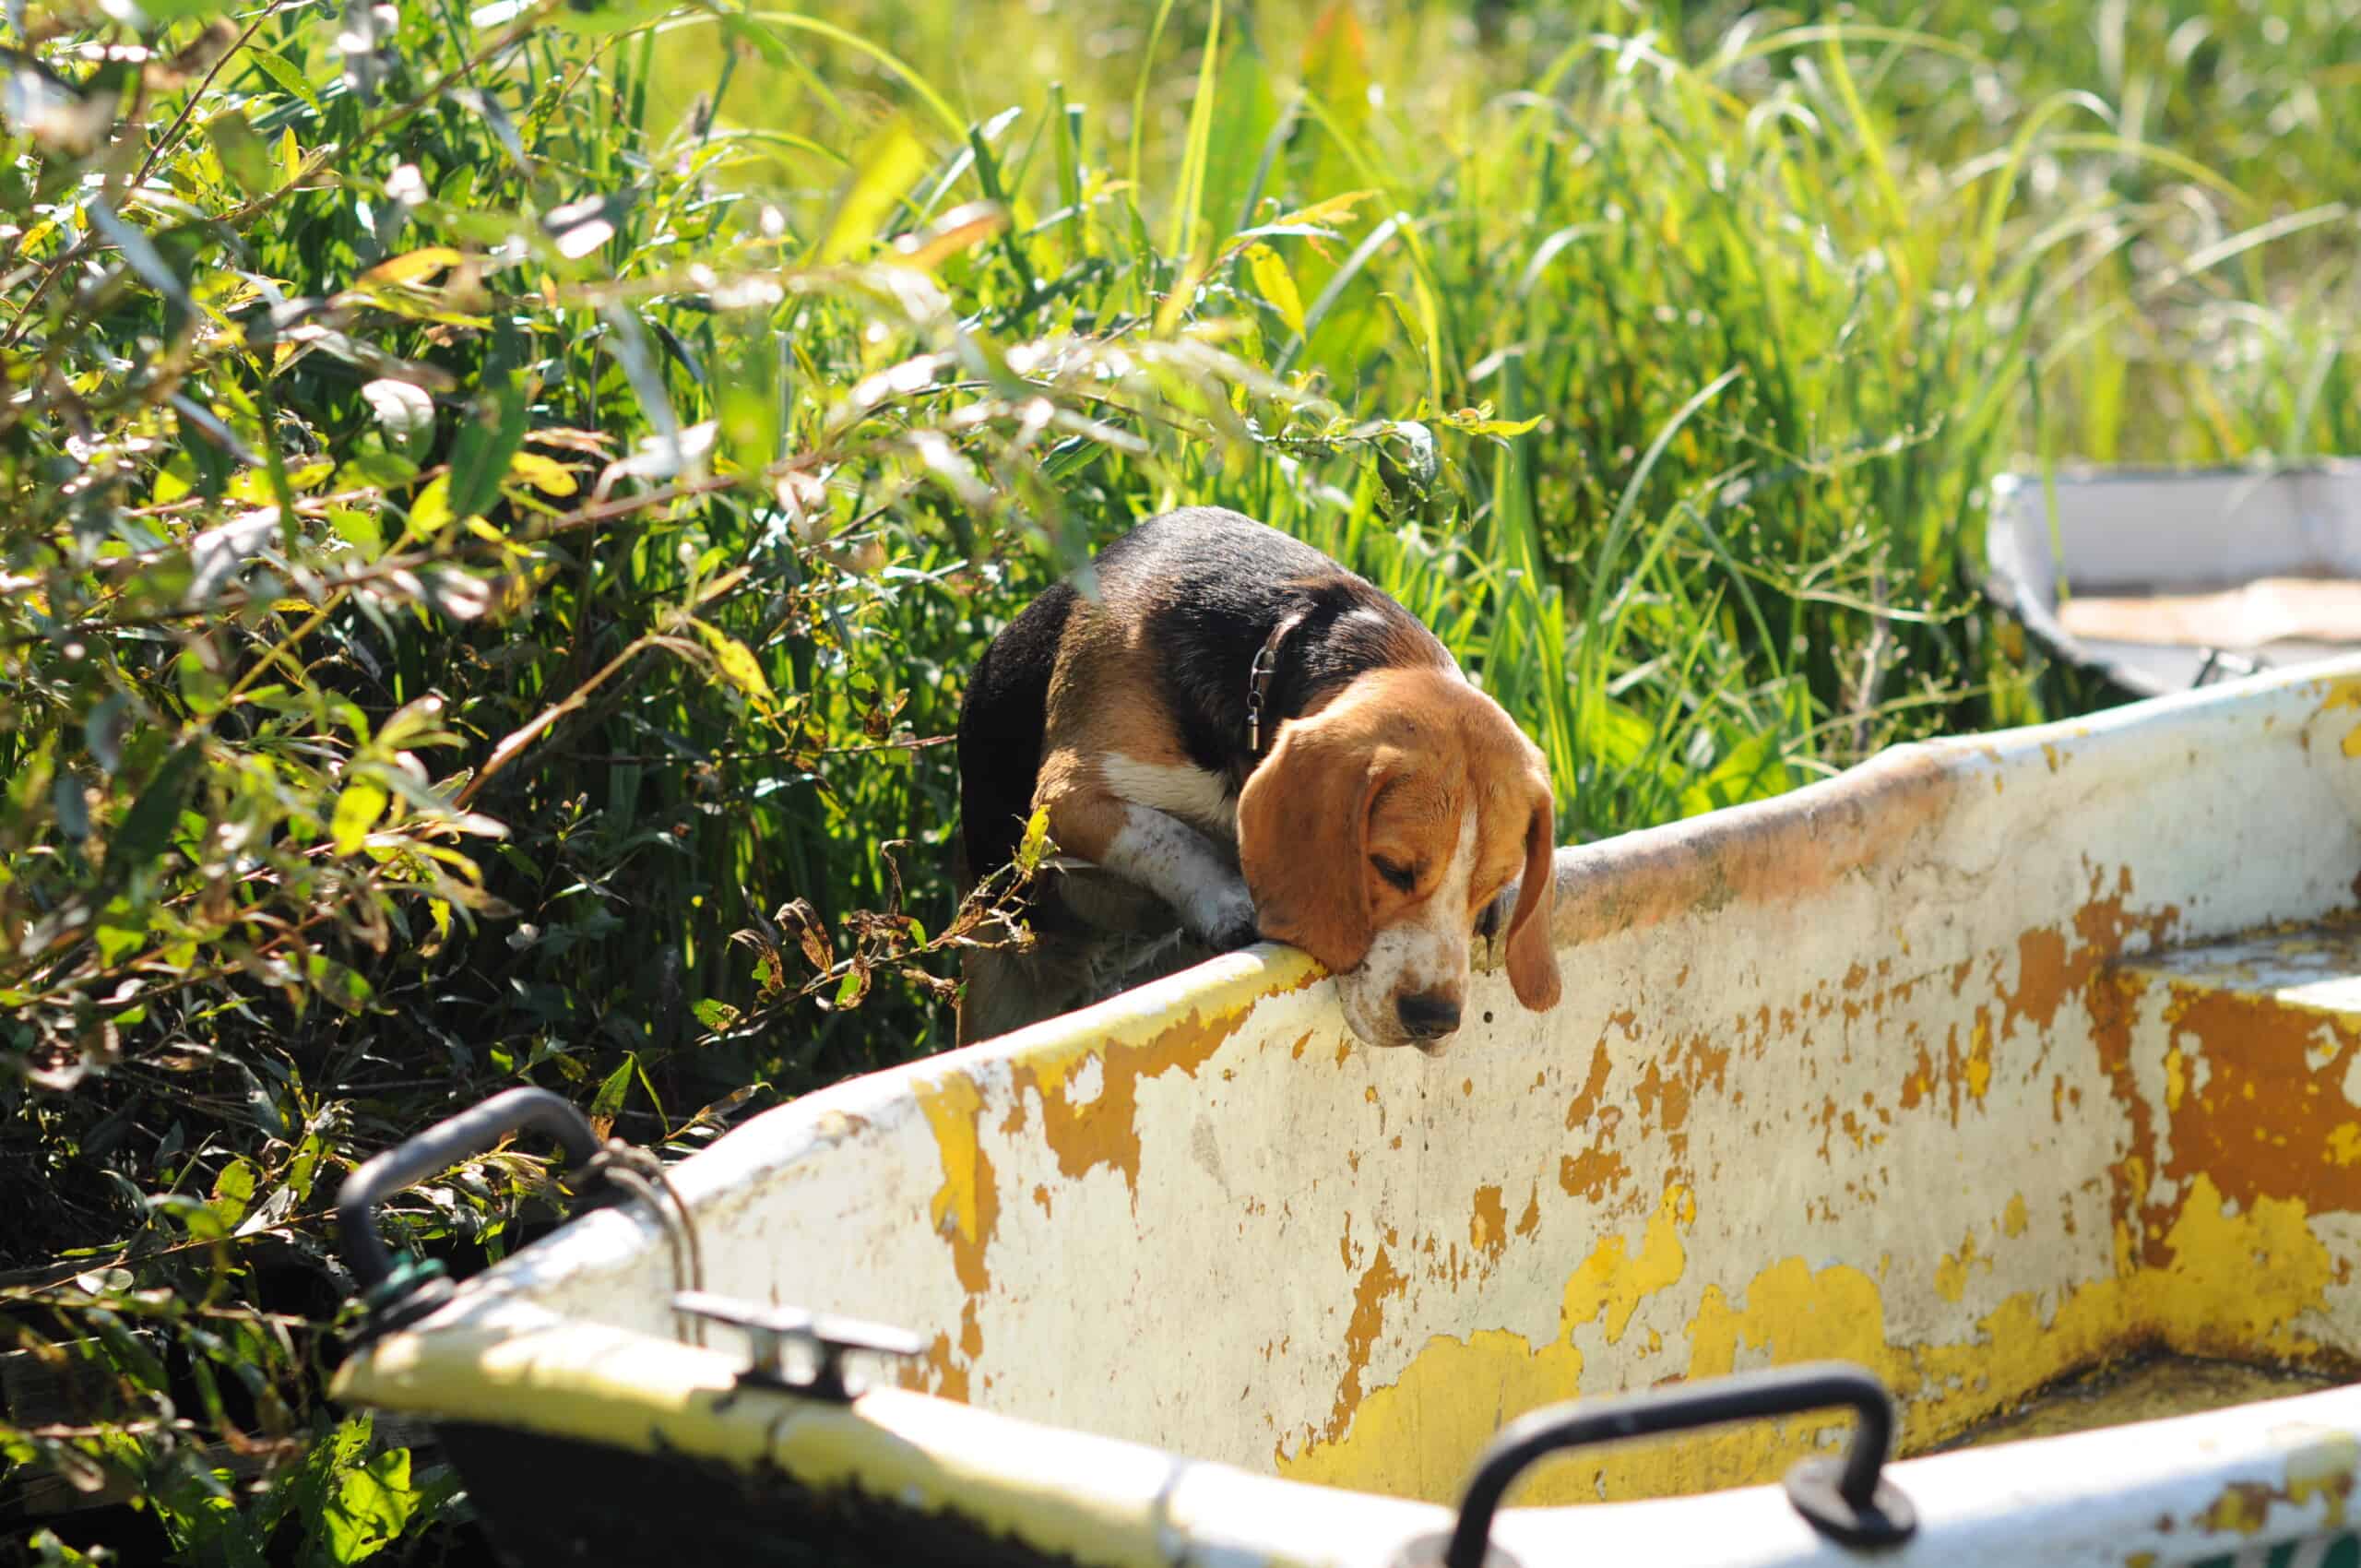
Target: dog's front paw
x: 1224, y: 921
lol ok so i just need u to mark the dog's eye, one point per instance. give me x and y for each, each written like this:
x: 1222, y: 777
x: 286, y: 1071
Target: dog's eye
x: 1402, y: 877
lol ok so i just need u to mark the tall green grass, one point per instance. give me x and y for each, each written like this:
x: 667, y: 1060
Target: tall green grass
x: 576, y: 722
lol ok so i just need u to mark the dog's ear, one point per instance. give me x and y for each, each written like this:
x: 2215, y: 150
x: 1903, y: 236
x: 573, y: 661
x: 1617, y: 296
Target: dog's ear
x: 1303, y: 838
x: 1532, y: 961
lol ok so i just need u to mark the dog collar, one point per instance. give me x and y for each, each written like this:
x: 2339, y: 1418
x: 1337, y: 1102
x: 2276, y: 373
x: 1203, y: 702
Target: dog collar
x: 1258, y: 678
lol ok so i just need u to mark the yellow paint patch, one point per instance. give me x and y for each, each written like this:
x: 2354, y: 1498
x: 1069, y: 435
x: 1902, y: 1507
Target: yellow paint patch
x: 2325, y: 1468
x: 1610, y: 1284
x: 2175, y: 1078
x: 2243, y: 1507
x: 2233, y: 1285
x: 1416, y: 1437
x: 2346, y: 692
x: 951, y: 1105
x: 2012, y: 1219
x: 1951, y: 1275
x: 1980, y: 1059
x: 2344, y: 1143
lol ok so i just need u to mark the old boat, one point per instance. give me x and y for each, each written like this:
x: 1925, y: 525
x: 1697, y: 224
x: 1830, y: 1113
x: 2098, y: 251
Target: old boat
x: 2003, y: 1078
x: 2158, y: 580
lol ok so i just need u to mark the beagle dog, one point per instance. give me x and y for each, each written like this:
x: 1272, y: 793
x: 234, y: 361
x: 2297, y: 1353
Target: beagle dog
x: 1233, y: 738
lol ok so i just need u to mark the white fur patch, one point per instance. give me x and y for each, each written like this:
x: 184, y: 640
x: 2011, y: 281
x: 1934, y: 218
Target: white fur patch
x: 1427, y: 951
x: 1182, y: 867
x: 1193, y: 795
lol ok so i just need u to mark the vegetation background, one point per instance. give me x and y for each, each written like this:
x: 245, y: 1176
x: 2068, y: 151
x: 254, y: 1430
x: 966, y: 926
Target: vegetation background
x: 495, y: 508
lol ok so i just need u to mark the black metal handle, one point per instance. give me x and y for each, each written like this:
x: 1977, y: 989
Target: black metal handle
x: 435, y: 1151
x: 1850, y: 1502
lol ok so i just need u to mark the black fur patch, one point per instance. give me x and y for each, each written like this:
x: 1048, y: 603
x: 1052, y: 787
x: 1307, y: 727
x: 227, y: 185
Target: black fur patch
x: 1003, y: 721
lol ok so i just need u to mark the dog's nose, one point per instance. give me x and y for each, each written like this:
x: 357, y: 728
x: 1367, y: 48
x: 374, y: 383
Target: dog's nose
x: 1429, y: 1016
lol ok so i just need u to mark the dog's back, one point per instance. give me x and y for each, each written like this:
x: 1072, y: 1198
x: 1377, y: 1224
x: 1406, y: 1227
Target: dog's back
x: 1237, y: 572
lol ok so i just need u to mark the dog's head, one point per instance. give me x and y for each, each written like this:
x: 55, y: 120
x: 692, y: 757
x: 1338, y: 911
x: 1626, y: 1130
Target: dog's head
x: 1381, y: 829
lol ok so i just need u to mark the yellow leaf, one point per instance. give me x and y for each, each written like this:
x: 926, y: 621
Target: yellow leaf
x: 723, y: 584
x: 431, y: 512
x: 411, y: 268
x: 1036, y: 843
x: 1177, y: 304
x: 1481, y: 422
x: 888, y: 167
x: 1335, y: 209
x: 290, y: 153
x: 961, y: 229
x: 357, y: 811
x: 739, y: 666
x: 1276, y: 284
x: 549, y: 477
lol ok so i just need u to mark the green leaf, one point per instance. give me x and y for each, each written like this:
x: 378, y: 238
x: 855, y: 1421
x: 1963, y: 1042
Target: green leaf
x: 278, y: 68
x: 201, y: 688
x: 233, y: 1192
x: 161, y: 11
x: 370, y: 1505
x: 749, y: 402
x: 1335, y: 64
x: 148, y: 826
x: 486, y: 444
x: 1753, y: 770
x: 243, y: 156
x: 309, y: 1490
x: 356, y: 526
x: 596, y: 18
x: 1246, y: 114
x: 610, y: 1098
x: 140, y: 252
